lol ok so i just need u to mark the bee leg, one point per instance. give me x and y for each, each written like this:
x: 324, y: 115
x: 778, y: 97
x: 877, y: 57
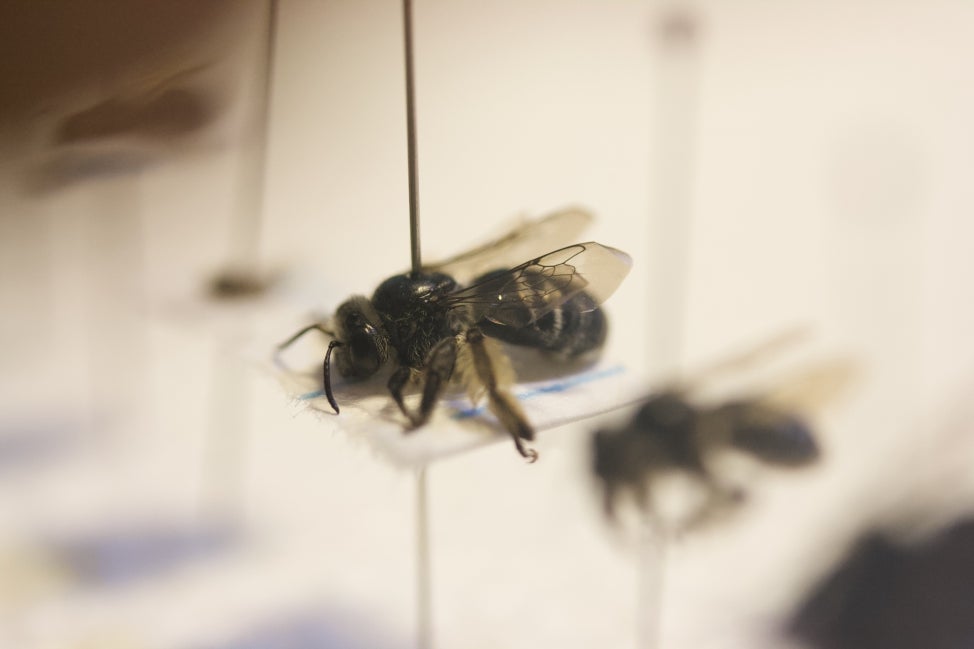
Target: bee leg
x: 397, y: 382
x: 435, y: 375
x: 492, y: 371
x: 609, y: 496
x: 720, y: 499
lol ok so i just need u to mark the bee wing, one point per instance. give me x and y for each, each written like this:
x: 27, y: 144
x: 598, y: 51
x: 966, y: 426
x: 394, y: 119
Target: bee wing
x: 777, y: 411
x: 525, y: 293
x: 526, y: 239
x: 815, y: 387
x: 744, y: 360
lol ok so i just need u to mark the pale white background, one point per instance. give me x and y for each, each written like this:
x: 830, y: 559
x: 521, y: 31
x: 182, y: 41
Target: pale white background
x: 796, y: 163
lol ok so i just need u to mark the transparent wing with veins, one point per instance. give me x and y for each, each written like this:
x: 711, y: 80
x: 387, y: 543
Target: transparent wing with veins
x: 523, y: 294
x: 525, y: 240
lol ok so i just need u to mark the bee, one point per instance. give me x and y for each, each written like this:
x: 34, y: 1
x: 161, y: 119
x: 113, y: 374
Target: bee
x: 432, y: 329
x: 676, y: 433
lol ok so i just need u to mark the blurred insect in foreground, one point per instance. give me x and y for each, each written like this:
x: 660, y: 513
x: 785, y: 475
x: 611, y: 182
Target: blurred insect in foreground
x: 433, y: 329
x: 675, y: 433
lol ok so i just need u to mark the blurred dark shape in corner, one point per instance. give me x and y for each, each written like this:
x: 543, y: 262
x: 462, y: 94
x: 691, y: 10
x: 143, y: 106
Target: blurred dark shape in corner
x: 108, y: 88
x: 886, y: 595
x: 168, y: 112
x: 50, y: 51
x: 120, y: 135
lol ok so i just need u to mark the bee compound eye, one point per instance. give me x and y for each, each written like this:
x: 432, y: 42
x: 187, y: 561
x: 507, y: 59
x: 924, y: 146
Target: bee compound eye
x: 354, y: 321
x: 361, y: 357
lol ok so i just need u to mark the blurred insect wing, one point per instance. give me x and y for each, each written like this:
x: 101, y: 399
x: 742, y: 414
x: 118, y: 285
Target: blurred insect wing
x: 815, y: 387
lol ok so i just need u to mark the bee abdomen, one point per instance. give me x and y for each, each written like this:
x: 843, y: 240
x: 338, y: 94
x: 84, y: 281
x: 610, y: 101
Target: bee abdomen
x: 576, y: 327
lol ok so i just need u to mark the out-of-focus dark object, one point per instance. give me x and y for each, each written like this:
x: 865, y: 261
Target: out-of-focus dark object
x: 239, y: 284
x: 162, y: 111
x: 886, y: 595
x: 52, y: 50
x: 679, y: 460
x: 678, y: 26
x: 127, y: 132
x: 672, y: 434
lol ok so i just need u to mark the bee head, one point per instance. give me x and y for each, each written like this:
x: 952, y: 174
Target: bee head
x: 363, y: 345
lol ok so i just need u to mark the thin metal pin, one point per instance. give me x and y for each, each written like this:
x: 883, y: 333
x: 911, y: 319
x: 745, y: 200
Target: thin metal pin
x: 424, y: 601
x: 424, y: 609
x: 407, y: 20
x: 249, y: 208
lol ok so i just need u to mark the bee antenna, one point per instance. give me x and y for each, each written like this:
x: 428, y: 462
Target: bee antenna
x: 314, y: 327
x: 327, y: 373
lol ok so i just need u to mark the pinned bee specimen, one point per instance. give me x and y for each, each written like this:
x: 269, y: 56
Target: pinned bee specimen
x: 432, y: 328
x: 675, y: 433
